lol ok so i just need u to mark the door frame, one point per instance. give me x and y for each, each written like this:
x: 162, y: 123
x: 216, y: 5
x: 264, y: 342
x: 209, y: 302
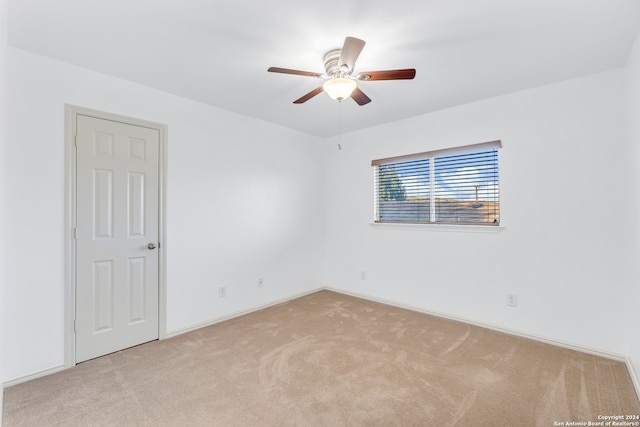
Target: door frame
x: 71, y: 114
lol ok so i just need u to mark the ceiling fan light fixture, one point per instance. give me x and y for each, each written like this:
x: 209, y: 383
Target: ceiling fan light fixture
x: 342, y: 84
x: 339, y: 88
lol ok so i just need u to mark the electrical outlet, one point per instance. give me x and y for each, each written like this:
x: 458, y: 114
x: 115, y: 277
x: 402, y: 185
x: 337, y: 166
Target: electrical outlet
x: 260, y: 282
x: 363, y: 275
x: 512, y: 300
x: 222, y: 291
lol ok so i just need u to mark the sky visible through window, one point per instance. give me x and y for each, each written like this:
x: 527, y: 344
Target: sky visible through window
x: 470, y: 176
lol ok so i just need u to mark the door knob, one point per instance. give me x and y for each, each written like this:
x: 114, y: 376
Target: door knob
x: 151, y: 245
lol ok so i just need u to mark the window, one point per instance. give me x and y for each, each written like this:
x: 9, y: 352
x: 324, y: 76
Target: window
x: 457, y: 185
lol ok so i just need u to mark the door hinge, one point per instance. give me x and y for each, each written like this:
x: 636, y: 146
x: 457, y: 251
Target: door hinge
x: 74, y: 326
x: 74, y: 233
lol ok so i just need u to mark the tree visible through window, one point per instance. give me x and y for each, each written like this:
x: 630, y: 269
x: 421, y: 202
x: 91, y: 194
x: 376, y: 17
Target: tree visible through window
x: 457, y: 185
x: 392, y: 187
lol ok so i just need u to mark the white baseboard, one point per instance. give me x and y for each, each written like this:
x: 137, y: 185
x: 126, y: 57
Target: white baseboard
x: 635, y: 379
x: 567, y: 345
x: 177, y: 332
x: 634, y: 376
x: 571, y: 346
x: 33, y: 376
x: 546, y: 340
x: 235, y: 314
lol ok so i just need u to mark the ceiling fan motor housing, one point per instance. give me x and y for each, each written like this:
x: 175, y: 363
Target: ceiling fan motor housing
x: 331, y: 64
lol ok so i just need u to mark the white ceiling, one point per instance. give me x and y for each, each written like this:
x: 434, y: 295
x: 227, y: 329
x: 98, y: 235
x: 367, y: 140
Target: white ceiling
x: 218, y: 52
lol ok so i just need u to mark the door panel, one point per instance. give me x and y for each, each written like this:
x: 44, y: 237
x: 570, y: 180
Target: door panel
x: 103, y: 204
x: 136, y: 218
x: 102, y: 296
x: 117, y: 217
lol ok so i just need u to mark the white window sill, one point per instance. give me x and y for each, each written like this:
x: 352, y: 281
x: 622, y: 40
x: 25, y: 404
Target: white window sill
x: 438, y: 227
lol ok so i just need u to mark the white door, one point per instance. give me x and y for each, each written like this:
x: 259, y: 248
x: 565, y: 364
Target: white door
x: 117, y: 219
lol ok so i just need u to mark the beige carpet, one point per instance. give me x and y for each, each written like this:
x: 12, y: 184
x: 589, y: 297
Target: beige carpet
x: 328, y: 359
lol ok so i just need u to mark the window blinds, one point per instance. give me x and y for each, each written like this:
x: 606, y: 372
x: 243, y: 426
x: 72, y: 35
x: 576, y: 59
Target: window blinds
x: 458, y: 185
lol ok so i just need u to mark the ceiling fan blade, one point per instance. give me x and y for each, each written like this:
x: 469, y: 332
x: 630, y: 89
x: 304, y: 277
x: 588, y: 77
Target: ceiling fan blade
x: 296, y: 72
x: 350, y: 52
x: 308, y: 96
x: 405, y: 74
x: 360, y: 97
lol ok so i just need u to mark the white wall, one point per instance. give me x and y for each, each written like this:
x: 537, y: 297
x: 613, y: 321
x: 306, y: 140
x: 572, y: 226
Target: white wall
x: 563, y: 198
x: 633, y: 120
x: 242, y: 203
x: 3, y: 87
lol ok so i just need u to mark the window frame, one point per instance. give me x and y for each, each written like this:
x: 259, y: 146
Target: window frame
x: 431, y: 155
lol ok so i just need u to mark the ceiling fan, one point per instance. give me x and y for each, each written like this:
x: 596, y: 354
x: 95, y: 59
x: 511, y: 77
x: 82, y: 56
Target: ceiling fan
x: 339, y: 66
